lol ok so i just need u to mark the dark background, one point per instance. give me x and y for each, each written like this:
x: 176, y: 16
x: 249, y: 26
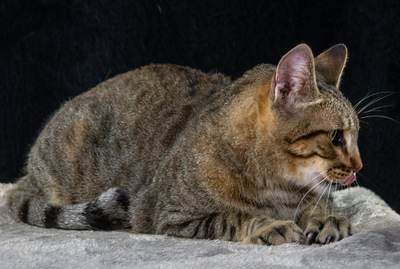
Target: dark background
x: 52, y: 50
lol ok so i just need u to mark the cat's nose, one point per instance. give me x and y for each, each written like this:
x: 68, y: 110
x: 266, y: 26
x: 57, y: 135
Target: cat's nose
x: 357, y: 169
x: 355, y: 159
x: 356, y: 163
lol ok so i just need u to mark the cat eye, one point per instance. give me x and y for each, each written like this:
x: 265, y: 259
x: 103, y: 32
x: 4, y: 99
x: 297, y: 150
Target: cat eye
x: 336, y: 136
x: 332, y: 134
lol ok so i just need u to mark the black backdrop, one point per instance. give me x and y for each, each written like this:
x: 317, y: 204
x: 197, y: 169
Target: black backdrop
x: 52, y: 50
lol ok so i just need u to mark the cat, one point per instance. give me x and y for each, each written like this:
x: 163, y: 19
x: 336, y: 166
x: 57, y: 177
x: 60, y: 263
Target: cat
x: 166, y: 149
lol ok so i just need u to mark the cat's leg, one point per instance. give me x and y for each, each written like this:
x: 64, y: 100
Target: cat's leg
x: 234, y: 227
x: 322, y: 228
x: 27, y: 203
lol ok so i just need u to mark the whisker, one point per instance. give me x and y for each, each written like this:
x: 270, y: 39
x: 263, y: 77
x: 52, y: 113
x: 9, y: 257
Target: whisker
x: 378, y: 108
x: 304, y: 196
x: 368, y: 95
x: 333, y: 212
x: 373, y: 102
x: 327, y: 197
x: 322, y: 194
x: 356, y: 181
x: 380, y: 116
x: 311, y: 181
x: 361, y: 121
x: 374, y: 183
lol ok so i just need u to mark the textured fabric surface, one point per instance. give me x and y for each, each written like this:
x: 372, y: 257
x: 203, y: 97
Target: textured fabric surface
x: 375, y: 244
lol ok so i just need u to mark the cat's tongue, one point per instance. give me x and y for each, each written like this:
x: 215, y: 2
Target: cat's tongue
x: 349, y: 180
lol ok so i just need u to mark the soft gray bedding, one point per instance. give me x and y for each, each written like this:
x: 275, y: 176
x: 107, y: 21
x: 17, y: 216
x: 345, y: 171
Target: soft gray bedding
x: 375, y: 244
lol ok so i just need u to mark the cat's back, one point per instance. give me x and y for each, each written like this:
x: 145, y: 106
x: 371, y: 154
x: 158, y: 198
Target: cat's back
x: 123, y: 127
x: 158, y: 101
x: 145, y: 99
x: 157, y: 91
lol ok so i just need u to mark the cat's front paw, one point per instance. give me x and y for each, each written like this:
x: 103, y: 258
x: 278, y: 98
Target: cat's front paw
x: 325, y: 230
x: 277, y: 233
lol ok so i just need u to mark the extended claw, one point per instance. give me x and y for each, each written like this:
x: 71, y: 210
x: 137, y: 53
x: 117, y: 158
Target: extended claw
x: 328, y: 239
x: 311, y: 238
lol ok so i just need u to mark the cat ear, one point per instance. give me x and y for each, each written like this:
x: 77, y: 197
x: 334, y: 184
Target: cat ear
x: 330, y: 64
x: 294, y: 80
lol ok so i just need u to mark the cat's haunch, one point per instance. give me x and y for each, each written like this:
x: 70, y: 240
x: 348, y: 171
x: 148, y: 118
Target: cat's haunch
x: 166, y: 149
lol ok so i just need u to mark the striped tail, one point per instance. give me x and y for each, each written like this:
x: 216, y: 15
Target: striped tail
x: 107, y: 212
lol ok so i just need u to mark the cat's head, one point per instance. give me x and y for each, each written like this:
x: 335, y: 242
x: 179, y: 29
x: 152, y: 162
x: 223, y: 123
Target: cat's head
x: 315, y: 125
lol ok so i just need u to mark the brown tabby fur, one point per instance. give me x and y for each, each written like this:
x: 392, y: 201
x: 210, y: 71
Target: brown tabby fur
x: 170, y: 150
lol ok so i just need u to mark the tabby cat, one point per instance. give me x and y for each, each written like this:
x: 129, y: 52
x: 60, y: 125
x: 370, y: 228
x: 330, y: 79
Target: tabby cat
x: 166, y: 149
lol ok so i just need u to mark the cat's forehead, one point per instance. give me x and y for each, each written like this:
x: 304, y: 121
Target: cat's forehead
x: 338, y: 109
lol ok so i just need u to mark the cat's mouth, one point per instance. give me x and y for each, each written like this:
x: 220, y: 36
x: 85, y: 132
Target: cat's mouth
x: 344, y: 181
x: 350, y: 179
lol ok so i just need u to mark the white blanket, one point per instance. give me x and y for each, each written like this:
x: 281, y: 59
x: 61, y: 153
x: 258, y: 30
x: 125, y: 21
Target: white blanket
x: 375, y: 244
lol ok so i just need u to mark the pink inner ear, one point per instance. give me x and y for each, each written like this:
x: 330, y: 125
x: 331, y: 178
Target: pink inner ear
x: 293, y: 72
x: 299, y: 71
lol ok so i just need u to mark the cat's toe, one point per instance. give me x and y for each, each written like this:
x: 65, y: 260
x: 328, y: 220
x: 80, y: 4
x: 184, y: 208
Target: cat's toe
x: 279, y: 232
x: 335, y: 229
x: 325, y: 231
x: 312, y: 230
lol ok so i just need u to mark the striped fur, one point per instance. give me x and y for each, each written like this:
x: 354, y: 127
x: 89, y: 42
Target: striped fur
x: 170, y: 150
x: 107, y: 212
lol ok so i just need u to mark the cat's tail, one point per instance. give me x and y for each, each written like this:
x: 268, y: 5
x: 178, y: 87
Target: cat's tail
x: 109, y: 211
